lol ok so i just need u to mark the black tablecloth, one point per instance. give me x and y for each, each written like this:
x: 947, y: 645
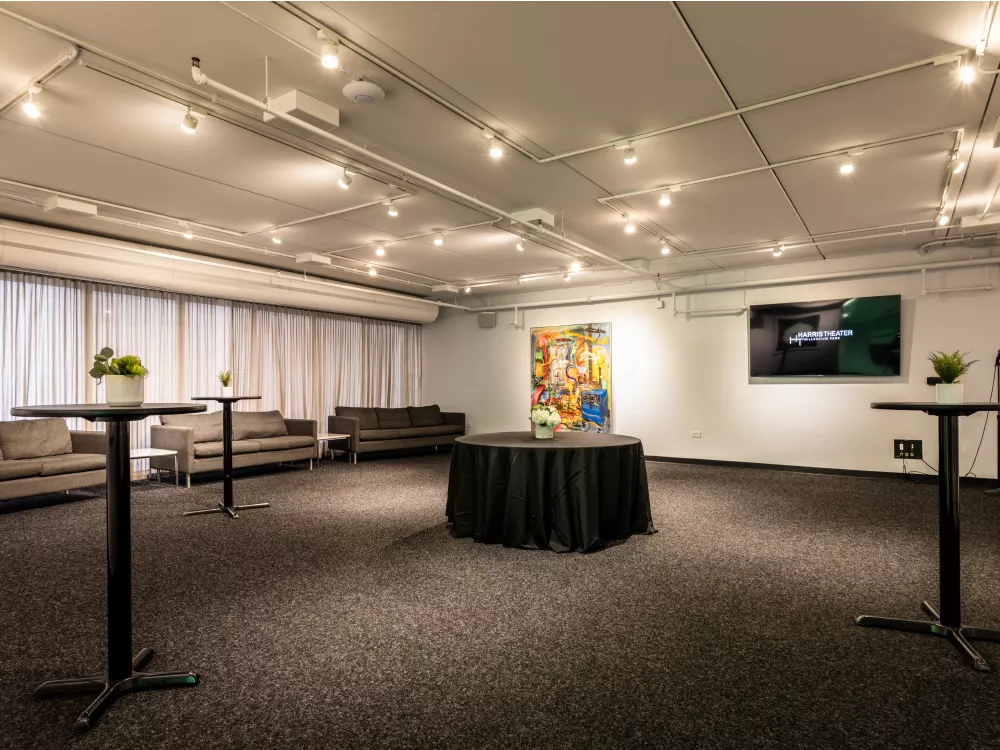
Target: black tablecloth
x: 578, y: 491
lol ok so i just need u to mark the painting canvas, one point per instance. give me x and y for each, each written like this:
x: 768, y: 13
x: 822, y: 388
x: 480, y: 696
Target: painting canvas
x: 571, y: 370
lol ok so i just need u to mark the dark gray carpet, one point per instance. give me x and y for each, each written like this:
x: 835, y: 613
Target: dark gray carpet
x: 346, y: 616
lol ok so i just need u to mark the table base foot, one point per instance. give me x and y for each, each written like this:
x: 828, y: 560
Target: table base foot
x: 229, y: 510
x: 109, y: 690
x: 959, y: 636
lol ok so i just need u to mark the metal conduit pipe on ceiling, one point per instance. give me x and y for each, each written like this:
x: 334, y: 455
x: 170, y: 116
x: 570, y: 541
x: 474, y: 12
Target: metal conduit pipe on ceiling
x: 202, y: 79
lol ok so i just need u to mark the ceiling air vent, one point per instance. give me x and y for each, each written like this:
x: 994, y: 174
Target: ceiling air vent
x: 58, y: 203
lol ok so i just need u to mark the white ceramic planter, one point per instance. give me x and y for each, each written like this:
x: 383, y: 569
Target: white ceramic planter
x: 227, y: 391
x: 543, y: 433
x: 949, y: 393
x: 124, y: 390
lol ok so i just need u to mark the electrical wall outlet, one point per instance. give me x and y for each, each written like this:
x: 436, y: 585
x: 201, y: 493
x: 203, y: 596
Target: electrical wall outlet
x: 696, y: 434
x: 908, y: 449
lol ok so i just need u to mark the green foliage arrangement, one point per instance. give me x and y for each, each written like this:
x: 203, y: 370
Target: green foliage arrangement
x: 226, y: 378
x: 105, y: 363
x: 950, y: 367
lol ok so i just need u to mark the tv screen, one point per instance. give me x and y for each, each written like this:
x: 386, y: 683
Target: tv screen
x: 856, y: 337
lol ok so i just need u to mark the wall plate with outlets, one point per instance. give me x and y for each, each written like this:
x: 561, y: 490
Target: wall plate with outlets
x: 696, y: 434
x: 908, y: 449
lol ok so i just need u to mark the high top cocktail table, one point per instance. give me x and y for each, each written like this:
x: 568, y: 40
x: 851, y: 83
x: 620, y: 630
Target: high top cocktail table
x: 947, y: 623
x: 123, y: 675
x: 226, y: 506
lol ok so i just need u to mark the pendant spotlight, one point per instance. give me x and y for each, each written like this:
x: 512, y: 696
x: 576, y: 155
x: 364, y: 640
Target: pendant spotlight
x: 942, y: 219
x: 847, y: 166
x: 777, y: 251
x: 520, y: 246
x: 664, y: 199
x: 274, y: 237
x: 392, y: 210
x: 439, y: 240
x: 380, y: 250
x: 372, y: 271
x: 966, y: 73
x: 329, y: 51
x: 629, y: 156
x: 575, y: 266
x: 187, y: 233
x: 956, y: 166
x: 496, y: 148
x: 28, y: 106
x: 468, y: 289
x: 665, y: 249
x: 566, y: 276
x: 629, y: 225
x: 346, y: 179
x: 190, y: 123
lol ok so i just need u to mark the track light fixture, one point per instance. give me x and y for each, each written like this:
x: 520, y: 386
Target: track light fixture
x: 439, y: 239
x: 391, y: 210
x: 664, y: 199
x: 190, y: 123
x: 942, y: 219
x: 664, y: 249
x: 957, y: 166
x: 566, y: 276
x: 575, y: 266
x: 847, y: 166
x: 346, y: 179
x: 468, y: 290
x: 629, y: 156
x: 629, y: 225
x: 28, y: 106
x: 966, y: 73
x: 520, y: 246
x: 187, y: 233
x: 496, y: 148
x: 372, y: 271
x: 380, y: 251
x: 329, y: 51
x: 777, y: 251
x: 274, y: 237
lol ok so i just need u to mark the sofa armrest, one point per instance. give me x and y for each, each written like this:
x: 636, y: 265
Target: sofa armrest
x: 454, y: 417
x: 346, y: 426
x: 305, y: 427
x: 180, y: 439
x: 89, y: 441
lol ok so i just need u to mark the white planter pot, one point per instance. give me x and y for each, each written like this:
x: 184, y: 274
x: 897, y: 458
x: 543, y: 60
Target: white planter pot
x: 227, y: 391
x: 949, y: 393
x: 543, y: 433
x: 124, y: 390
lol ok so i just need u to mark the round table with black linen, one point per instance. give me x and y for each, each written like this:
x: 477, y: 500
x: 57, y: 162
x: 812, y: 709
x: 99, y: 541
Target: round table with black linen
x: 578, y: 491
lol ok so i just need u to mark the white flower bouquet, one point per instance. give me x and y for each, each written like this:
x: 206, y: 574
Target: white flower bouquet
x: 545, y: 418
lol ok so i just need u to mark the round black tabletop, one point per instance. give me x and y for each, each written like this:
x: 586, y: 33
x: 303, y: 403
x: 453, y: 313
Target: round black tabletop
x: 562, y: 439
x: 932, y: 407
x: 225, y: 399
x: 103, y: 412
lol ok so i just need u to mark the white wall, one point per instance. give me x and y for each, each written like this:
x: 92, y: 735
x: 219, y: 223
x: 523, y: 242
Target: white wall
x: 672, y: 375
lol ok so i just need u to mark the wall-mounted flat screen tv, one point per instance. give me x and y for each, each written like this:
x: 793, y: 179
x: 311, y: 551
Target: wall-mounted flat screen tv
x: 856, y: 337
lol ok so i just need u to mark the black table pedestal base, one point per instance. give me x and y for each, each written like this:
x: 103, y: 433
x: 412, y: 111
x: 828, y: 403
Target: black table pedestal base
x: 230, y: 510
x: 109, y: 690
x: 959, y: 635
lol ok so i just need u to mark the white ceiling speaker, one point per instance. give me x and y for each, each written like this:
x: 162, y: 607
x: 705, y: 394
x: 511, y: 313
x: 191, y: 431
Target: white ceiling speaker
x: 364, y: 91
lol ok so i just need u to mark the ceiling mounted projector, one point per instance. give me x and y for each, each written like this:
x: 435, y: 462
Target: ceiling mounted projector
x: 364, y: 91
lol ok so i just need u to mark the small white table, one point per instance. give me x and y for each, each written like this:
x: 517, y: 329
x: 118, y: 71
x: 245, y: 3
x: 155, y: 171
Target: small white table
x: 140, y: 453
x: 332, y: 437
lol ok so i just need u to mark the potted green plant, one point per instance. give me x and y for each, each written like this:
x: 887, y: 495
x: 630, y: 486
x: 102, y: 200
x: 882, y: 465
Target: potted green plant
x: 950, y: 367
x: 545, y: 417
x: 226, y: 379
x: 124, y: 377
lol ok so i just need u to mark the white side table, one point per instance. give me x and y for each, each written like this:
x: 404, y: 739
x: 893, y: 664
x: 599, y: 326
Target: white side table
x: 140, y: 453
x: 333, y: 437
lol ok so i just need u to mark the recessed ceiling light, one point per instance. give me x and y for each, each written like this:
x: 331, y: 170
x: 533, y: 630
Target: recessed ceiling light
x: 28, y: 106
x: 346, y: 179
x: 665, y: 249
x: 966, y: 74
x: 439, y: 240
x: 575, y: 266
x: 190, y: 123
x: 520, y: 246
x: 942, y: 219
x: 664, y: 199
x: 380, y: 251
x: 629, y: 156
x: 329, y: 51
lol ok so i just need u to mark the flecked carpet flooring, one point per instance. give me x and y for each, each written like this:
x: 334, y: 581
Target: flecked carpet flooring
x: 345, y: 616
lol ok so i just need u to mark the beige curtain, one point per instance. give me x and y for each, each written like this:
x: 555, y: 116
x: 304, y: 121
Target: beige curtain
x: 300, y: 362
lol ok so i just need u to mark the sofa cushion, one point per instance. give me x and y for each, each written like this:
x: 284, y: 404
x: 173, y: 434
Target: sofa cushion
x: 71, y: 463
x: 33, y: 438
x: 379, y: 434
x: 425, y: 416
x: 258, y: 424
x: 392, y: 419
x: 366, y: 417
x: 286, y: 443
x: 207, y: 427
x: 19, y: 468
x: 441, y: 429
x: 214, y: 449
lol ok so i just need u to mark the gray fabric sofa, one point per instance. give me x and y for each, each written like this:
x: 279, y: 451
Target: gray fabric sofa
x: 38, y: 456
x: 374, y: 430
x: 259, y: 437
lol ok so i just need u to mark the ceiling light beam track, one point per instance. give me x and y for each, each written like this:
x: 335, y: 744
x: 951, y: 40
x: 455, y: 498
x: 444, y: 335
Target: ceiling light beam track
x: 939, y: 60
x: 203, y: 80
x: 50, y: 72
x: 334, y: 253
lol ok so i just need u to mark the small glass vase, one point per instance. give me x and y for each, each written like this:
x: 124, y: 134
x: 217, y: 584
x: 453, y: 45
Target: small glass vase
x: 543, y: 432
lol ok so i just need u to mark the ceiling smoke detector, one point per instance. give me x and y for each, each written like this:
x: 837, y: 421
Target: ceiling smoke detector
x: 364, y: 91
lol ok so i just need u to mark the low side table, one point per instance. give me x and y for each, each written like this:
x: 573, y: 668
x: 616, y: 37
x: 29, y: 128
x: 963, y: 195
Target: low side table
x: 331, y: 437
x: 123, y: 675
x: 226, y: 506
x: 947, y: 623
x: 140, y: 453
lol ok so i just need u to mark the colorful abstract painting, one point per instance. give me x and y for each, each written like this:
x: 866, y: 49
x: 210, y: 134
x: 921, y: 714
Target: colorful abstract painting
x: 571, y: 369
